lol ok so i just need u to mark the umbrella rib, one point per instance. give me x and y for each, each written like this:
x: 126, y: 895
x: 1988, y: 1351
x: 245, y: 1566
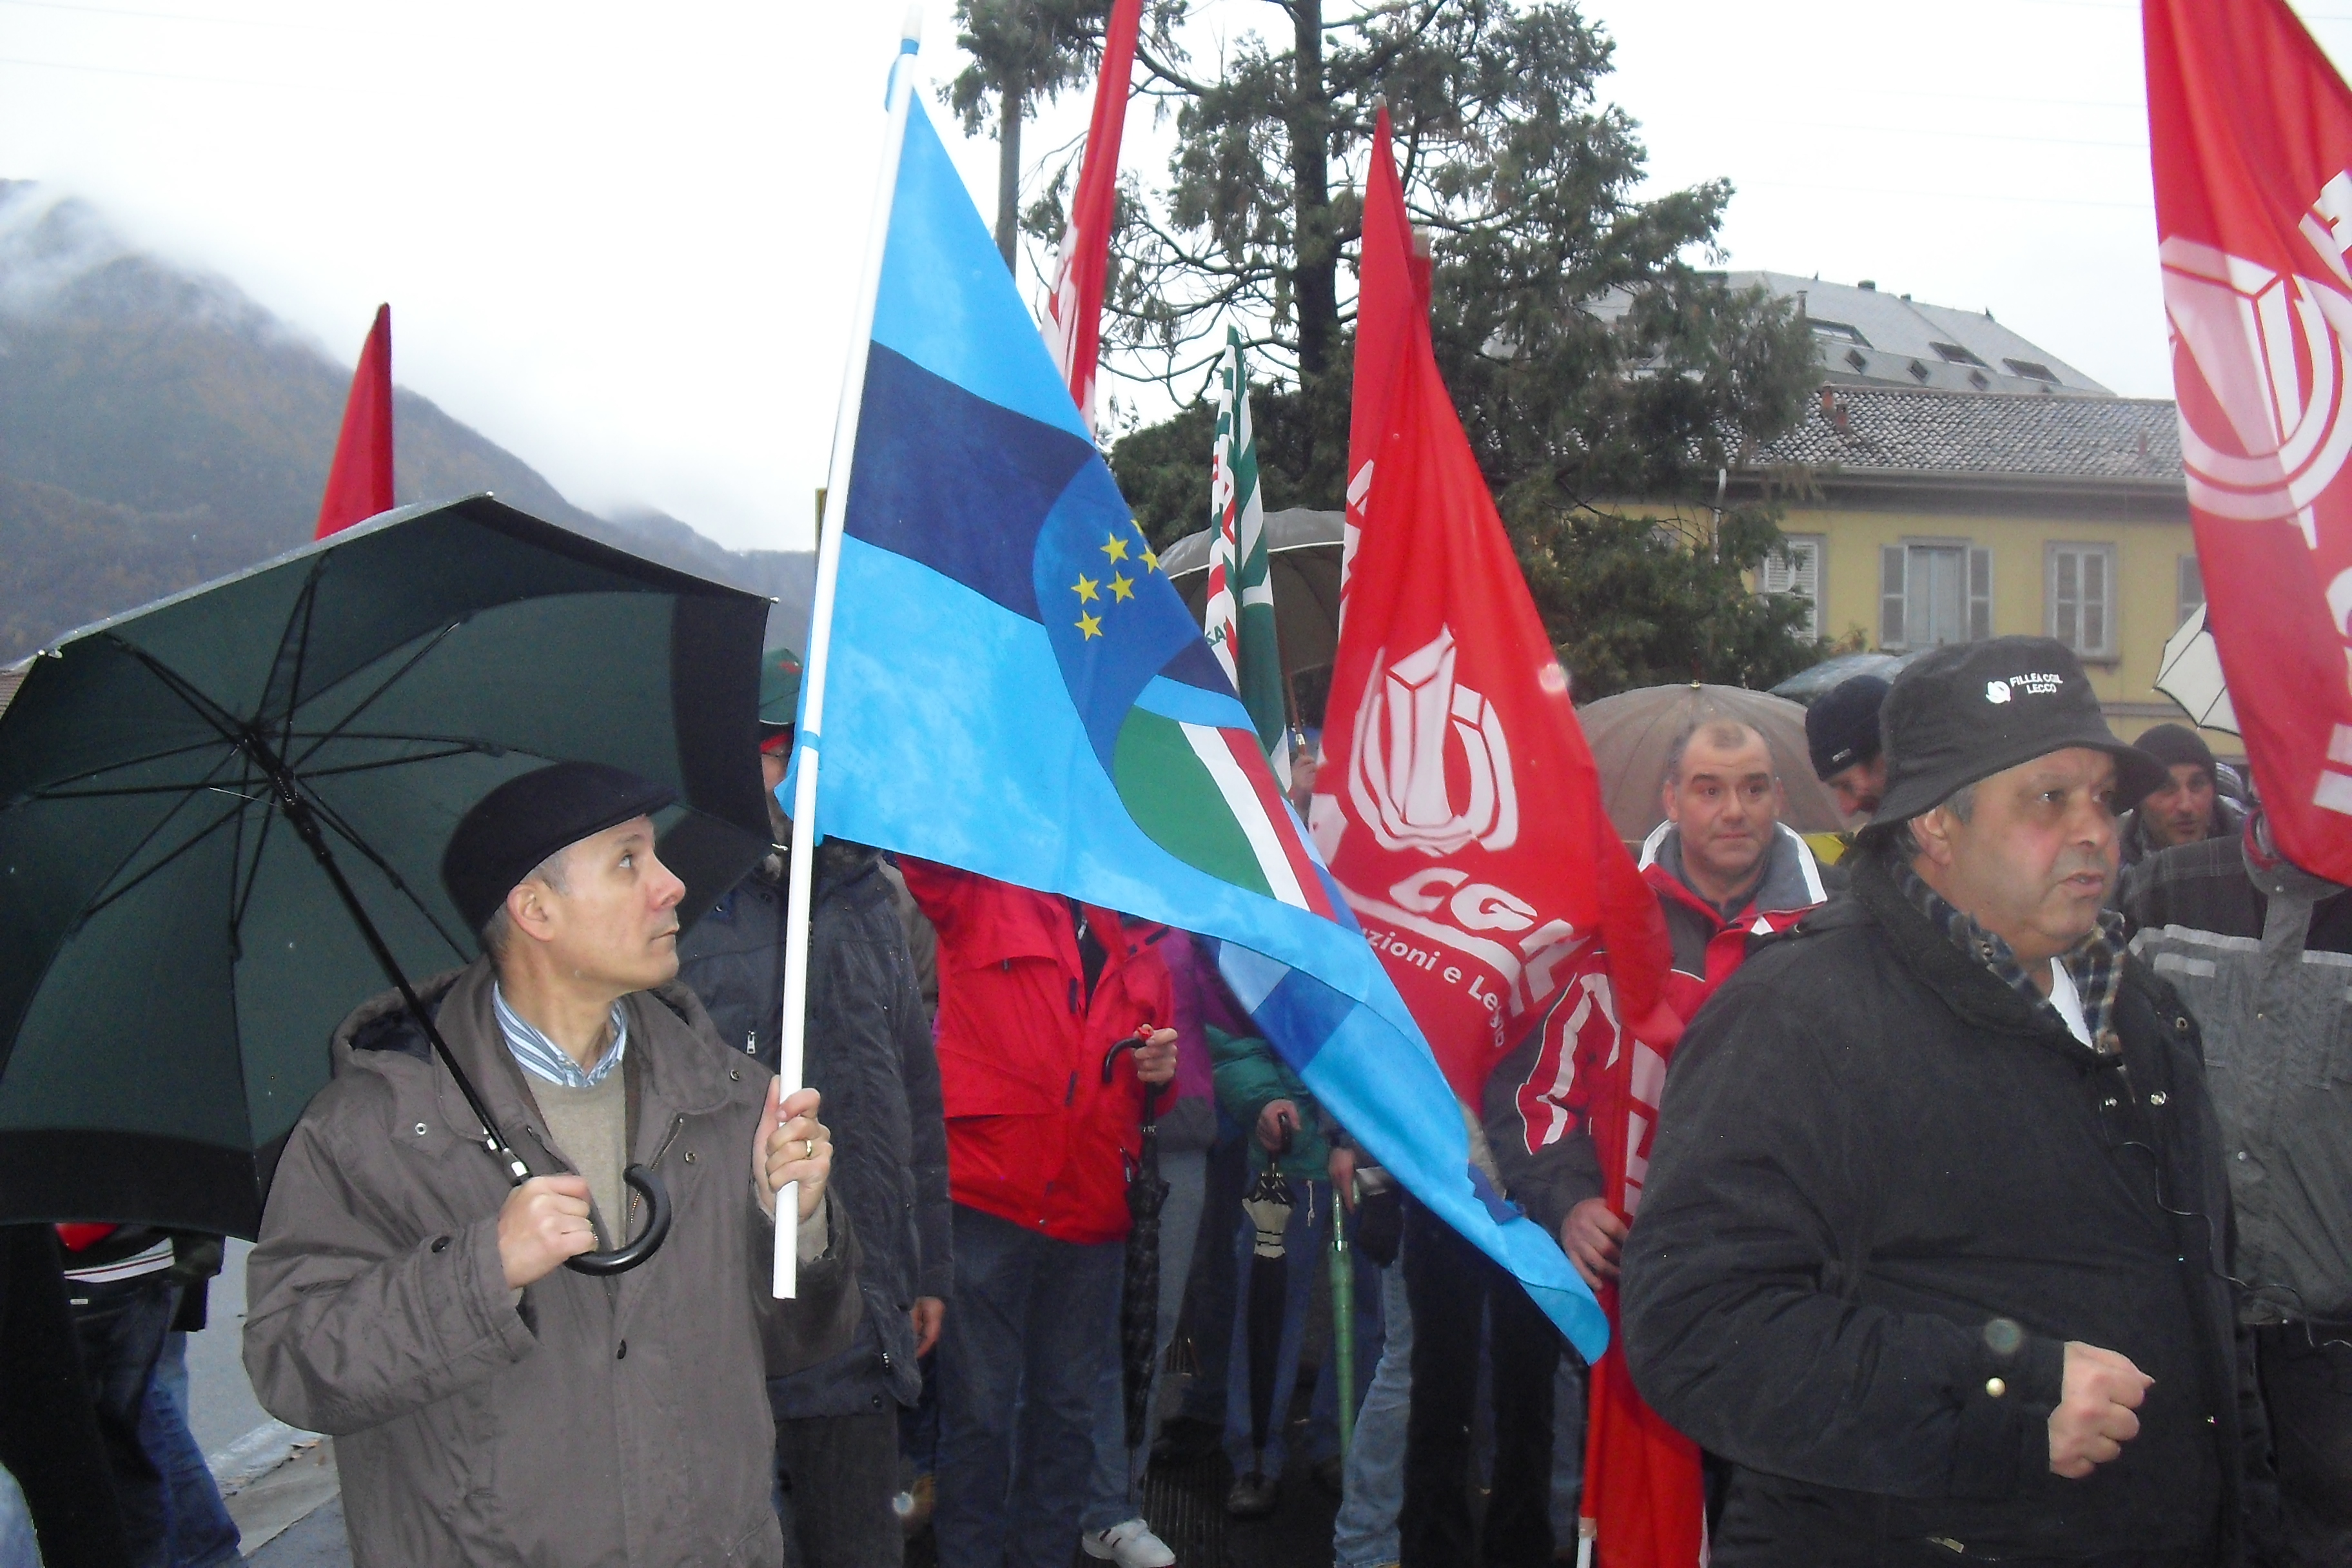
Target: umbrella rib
x: 342, y: 729
x: 333, y: 819
x: 191, y: 841
x: 53, y: 791
x: 454, y: 750
x: 305, y: 605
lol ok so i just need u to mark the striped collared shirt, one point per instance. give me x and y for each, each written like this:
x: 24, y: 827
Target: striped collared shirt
x: 543, y: 1059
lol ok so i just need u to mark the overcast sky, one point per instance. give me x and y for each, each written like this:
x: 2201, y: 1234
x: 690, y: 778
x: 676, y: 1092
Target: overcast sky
x: 622, y: 241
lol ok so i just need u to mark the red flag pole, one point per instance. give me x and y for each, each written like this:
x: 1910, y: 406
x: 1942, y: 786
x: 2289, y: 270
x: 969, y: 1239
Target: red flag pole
x: 359, y: 484
x: 1072, y: 323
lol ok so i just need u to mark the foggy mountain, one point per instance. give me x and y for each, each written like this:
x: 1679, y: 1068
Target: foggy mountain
x: 158, y: 428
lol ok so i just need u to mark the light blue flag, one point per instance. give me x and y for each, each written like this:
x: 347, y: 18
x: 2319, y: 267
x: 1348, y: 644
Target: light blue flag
x: 1011, y: 686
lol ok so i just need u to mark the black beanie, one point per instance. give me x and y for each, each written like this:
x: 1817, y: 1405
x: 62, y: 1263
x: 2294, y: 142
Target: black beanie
x: 1842, y: 728
x: 523, y: 821
x: 2173, y: 745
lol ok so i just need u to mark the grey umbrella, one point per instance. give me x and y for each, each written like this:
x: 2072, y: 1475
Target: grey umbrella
x: 1302, y: 563
x: 1632, y: 732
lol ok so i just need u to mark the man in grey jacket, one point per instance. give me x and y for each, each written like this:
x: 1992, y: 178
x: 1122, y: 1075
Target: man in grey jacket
x: 870, y: 1053
x: 490, y: 1406
x: 2261, y: 951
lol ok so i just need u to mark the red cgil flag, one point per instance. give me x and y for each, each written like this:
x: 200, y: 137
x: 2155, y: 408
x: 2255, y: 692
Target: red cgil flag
x: 1074, y: 310
x: 1458, y: 808
x: 359, y: 486
x: 1457, y: 804
x: 2250, y: 133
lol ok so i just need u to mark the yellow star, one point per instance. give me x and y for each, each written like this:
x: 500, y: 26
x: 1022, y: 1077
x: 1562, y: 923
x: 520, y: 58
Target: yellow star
x: 1115, y: 549
x: 1122, y: 587
x: 1150, y: 559
x: 1090, y: 625
x: 1085, y: 588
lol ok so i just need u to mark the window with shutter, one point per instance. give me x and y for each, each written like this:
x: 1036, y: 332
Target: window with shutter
x: 1795, y: 569
x: 2189, y: 595
x: 1934, y: 591
x: 2082, y: 598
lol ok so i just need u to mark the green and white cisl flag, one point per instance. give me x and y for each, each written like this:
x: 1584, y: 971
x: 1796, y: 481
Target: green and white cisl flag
x: 1238, y: 619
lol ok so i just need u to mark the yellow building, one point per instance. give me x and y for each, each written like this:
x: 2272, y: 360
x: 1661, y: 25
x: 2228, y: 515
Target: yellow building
x: 1953, y: 482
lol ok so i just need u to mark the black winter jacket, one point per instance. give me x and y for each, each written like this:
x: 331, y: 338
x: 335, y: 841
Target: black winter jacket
x: 870, y: 1054
x: 1886, y: 1191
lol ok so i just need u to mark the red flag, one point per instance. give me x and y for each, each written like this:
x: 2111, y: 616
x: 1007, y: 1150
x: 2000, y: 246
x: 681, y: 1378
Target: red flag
x: 359, y: 486
x: 1458, y: 809
x: 1457, y: 806
x: 1645, y: 1498
x: 1391, y: 296
x: 1074, y: 310
x: 2250, y: 133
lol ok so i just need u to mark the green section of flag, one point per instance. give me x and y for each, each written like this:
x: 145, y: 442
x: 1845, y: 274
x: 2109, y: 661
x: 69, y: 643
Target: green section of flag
x: 1175, y: 800
x: 1257, y: 660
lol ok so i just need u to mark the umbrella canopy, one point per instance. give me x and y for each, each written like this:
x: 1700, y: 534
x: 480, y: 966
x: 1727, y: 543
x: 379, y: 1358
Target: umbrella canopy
x: 1809, y: 686
x: 2191, y: 674
x: 1632, y: 732
x: 1303, y: 567
x: 179, y: 955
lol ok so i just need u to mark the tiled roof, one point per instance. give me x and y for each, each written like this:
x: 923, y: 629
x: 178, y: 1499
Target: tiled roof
x: 1866, y: 335
x: 1864, y: 428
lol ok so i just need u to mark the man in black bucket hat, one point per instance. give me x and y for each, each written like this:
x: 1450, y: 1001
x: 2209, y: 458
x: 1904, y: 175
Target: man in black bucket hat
x: 1932, y: 1243
x: 489, y: 1404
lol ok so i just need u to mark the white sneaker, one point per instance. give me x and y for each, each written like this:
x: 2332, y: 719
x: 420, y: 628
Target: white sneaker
x: 1130, y: 1545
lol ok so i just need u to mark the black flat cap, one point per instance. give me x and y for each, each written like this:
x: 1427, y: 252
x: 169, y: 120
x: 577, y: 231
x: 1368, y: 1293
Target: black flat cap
x: 523, y: 821
x: 1965, y: 712
x: 1842, y: 728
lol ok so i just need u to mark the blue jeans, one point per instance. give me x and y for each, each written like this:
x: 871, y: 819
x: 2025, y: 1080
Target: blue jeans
x: 1567, y: 1447
x: 1364, y: 1535
x: 1033, y: 1322
x: 120, y: 1327
x: 1117, y: 1494
x: 202, y: 1533
x: 1304, y: 1246
x: 18, y: 1547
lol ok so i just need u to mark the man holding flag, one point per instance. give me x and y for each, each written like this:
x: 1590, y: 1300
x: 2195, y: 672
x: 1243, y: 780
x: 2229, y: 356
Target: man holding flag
x: 1002, y: 680
x: 1458, y: 809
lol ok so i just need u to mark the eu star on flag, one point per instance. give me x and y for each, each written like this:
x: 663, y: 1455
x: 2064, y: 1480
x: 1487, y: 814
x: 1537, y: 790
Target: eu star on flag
x: 1001, y: 678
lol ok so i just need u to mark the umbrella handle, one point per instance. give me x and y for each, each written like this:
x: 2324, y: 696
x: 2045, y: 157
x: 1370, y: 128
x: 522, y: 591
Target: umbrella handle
x: 621, y: 1259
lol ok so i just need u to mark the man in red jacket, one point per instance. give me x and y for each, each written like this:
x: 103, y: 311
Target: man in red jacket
x: 1725, y: 869
x: 1035, y: 994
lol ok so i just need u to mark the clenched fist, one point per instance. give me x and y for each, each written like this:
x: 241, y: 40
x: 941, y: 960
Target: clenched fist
x: 2094, y: 1416
x: 542, y: 1223
x: 793, y: 1146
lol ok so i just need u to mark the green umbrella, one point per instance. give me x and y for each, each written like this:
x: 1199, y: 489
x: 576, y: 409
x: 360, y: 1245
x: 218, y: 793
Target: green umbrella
x: 222, y: 819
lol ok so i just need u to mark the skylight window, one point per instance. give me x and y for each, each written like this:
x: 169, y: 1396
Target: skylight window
x: 1838, y: 330
x: 1953, y: 354
x: 2031, y: 370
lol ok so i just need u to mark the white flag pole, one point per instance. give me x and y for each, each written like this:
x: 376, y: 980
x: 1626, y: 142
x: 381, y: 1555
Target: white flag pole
x: 809, y: 742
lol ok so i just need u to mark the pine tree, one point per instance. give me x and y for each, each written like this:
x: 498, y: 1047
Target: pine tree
x: 1598, y: 368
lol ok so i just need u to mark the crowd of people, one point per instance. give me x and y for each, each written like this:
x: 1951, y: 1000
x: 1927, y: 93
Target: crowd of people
x: 1998, y: 1204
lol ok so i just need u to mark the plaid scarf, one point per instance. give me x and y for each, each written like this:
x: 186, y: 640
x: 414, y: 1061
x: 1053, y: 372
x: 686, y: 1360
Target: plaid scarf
x: 2094, y: 964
